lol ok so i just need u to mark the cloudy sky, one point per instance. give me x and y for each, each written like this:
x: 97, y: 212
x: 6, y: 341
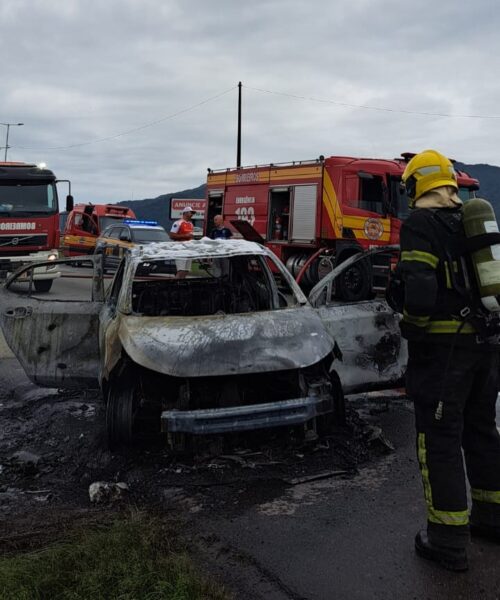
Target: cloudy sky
x: 135, y: 98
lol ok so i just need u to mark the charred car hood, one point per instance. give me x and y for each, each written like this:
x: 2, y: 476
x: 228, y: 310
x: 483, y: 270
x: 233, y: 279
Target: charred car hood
x: 226, y: 344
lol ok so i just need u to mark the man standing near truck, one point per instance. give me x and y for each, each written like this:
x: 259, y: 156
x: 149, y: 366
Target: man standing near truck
x: 453, y: 366
x: 219, y: 232
x: 183, y: 231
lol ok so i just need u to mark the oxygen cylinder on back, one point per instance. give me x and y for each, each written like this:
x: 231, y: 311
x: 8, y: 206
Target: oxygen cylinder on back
x: 479, y: 218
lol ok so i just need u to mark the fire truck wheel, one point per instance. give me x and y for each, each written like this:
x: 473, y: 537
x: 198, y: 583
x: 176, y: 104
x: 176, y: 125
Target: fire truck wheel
x: 43, y: 285
x: 354, y: 283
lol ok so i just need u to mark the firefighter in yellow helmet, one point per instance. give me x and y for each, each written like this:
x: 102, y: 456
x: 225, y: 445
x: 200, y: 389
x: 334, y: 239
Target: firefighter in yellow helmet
x: 453, y: 367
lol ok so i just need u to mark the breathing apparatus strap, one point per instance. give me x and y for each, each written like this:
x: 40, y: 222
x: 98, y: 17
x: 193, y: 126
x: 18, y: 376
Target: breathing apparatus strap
x: 487, y: 326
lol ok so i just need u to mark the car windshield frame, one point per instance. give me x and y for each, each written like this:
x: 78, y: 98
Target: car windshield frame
x: 297, y: 297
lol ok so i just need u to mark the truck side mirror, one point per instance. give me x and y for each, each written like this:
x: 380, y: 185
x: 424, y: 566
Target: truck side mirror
x: 69, y: 203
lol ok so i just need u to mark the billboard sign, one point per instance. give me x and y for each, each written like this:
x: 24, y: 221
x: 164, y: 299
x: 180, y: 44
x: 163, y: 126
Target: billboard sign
x: 177, y: 205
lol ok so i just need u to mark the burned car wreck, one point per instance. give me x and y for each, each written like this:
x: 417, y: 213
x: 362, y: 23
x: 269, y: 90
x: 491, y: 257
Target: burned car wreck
x: 234, y: 346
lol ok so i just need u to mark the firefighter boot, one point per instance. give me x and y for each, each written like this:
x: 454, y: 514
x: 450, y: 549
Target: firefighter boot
x: 453, y: 559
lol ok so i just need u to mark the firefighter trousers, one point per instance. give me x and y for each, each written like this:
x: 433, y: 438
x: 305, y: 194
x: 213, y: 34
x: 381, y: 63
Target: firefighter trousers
x: 467, y: 385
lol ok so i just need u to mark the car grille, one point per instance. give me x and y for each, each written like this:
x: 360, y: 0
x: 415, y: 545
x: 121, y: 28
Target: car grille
x: 23, y: 240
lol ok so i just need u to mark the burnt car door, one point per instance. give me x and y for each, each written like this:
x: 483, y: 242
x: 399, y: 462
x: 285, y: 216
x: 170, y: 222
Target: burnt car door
x: 55, y: 336
x: 374, y: 355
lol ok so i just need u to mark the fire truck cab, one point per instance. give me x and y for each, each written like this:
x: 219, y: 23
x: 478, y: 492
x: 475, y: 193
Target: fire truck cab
x: 29, y: 221
x: 86, y: 222
x: 315, y: 214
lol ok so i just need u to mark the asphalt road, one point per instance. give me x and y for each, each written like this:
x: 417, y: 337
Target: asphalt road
x: 353, y: 539
x: 74, y: 284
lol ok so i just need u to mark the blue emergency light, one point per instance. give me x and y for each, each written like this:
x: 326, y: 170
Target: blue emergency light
x: 137, y: 222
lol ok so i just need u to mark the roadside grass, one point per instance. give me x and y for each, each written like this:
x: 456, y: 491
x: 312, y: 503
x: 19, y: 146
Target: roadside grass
x: 137, y: 558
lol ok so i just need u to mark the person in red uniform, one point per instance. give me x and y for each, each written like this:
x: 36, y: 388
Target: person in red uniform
x: 182, y: 231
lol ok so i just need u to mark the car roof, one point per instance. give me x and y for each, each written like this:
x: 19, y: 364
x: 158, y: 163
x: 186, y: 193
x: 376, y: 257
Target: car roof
x: 204, y: 248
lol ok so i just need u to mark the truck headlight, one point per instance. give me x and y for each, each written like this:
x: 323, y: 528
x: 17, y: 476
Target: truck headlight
x: 52, y: 256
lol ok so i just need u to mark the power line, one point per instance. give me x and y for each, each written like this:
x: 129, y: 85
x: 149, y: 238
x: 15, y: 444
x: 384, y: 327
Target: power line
x: 264, y: 91
x: 368, y: 107
x: 129, y: 131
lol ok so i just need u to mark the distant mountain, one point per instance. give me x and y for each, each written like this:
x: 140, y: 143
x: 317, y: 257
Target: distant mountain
x: 158, y: 208
x: 489, y: 182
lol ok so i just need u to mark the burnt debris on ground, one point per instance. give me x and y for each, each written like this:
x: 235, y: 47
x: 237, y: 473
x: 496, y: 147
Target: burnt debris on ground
x: 52, y: 448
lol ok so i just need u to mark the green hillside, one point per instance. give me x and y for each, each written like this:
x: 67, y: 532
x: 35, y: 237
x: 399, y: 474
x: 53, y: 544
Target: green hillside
x: 158, y: 208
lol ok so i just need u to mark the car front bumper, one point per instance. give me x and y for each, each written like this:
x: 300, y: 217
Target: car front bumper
x: 246, y: 418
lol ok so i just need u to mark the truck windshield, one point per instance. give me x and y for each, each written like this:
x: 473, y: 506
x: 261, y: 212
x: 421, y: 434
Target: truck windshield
x: 25, y: 199
x: 105, y: 221
x: 399, y: 199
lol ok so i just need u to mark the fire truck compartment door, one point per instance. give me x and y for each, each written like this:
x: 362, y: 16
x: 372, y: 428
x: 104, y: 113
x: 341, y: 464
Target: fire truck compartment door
x: 304, y: 213
x: 247, y: 231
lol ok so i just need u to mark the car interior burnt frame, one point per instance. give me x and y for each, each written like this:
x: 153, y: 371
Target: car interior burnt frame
x: 229, y: 285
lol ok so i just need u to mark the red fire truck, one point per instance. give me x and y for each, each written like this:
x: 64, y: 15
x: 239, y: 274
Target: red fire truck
x: 85, y: 224
x: 316, y: 214
x: 29, y: 220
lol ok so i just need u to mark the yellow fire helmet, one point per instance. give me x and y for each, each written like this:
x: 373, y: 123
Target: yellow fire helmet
x: 427, y: 171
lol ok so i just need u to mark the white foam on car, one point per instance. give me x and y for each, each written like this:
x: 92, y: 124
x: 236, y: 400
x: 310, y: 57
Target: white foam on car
x: 204, y: 248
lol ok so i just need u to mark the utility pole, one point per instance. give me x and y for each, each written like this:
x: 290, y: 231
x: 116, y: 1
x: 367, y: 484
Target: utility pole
x: 238, y: 145
x: 9, y: 125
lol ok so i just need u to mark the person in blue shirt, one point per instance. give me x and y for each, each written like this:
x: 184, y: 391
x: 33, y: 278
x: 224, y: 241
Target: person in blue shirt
x: 219, y: 232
